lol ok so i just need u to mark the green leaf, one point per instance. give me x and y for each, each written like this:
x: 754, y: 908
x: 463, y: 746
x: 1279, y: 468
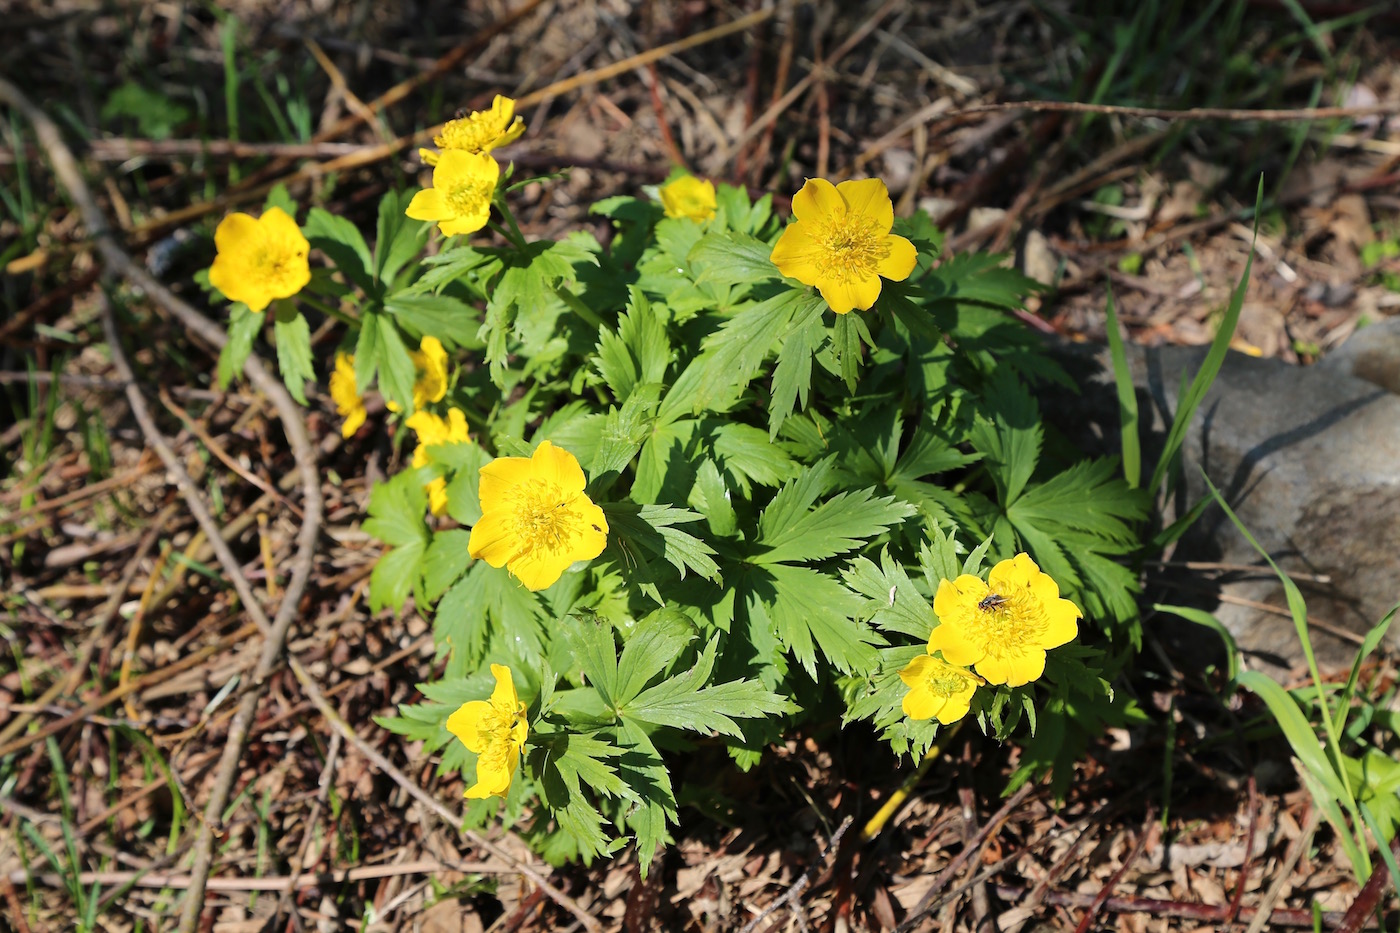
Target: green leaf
x: 396, y: 374
x: 591, y: 638
x: 894, y: 604
x: 393, y: 576
x: 734, y: 353
x: 243, y: 327
x: 710, y: 497
x: 732, y: 258
x: 646, y: 531
x: 279, y: 196
x: 396, y: 509
x: 806, y: 607
x: 484, y: 600
x: 581, y: 760
x: 399, y: 238
x: 1296, y: 730
x: 464, y: 490
x: 1203, y: 618
x: 747, y: 455
x: 527, y: 286
x: 623, y: 433
x: 339, y: 239
x: 293, y: 336
x: 1008, y: 432
x: 445, y: 561
x: 638, y: 352
x: 847, y: 334
x: 1127, y: 397
x: 792, y: 377
x: 938, y: 558
x: 845, y: 522
x: 367, y: 352
x: 655, y: 645
x: 683, y: 702
x: 439, y: 316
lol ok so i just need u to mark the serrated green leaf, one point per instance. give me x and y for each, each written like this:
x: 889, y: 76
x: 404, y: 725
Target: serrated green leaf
x: 735, y: 352
x: 843, y: 523
x: 439, y: 316
x: 243, y: 327
x: 396, y: 509
x: 581, y: 760
x: 806, y: 607
x: 792, y: 377
x: 591, y: 639
x: 293, y: 336
x: 638, y: 352
x: 623, y: 432
x: 656, y: 643
x: 647, y: 531
x: 710, y: 497
x: 1008, y: 434
x: 732, y: 258
x: 894, y: 603
x: 746, y: 454
x: 339, y: 239
x: 393, y: 576
x: 487, y: 599
x: 445, y: 560
x: 683, y: 702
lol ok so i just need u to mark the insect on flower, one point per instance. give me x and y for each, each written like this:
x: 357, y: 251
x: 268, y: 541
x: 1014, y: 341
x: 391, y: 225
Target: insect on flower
x: 991, y: 602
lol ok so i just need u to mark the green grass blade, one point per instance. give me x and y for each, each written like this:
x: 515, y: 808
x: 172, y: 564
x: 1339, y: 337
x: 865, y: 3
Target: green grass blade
x: 1127, y: 398
x: 1381, y: 842
x: 1215, y: 356
x: 1368, y: 645
x: 1201, y: 617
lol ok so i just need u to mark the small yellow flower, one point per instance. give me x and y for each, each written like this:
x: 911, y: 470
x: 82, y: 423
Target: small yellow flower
x: 433, y: 431
x: 536, y: 519
x: 937, y: 688
x: 460, y: 199
x: 429, y: 373
x: 480, y: 131
x: 1005, y: 625
x: 496, y: 731
x: 259, y: 260
x: 841, y: 242
x: 689, y: 196
x: 348, y: 402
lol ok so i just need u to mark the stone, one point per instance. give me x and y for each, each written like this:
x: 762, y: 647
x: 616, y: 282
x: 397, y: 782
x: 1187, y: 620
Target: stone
x: 1371, y: 353
x: 1307, y: 457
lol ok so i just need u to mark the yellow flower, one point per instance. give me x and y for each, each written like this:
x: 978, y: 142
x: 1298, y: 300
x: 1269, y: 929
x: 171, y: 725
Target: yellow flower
x: 348, y: 402
x: 496, y: 731
x: 1005, y: 625
x: 689, y: 196
x: 460, y: 199
x: 937, y: 688
x: 259, y: 260
x: 536, y: 519
x: 841, y: 242
x: 429, y: 373
x: 432, y: 431
x: 480, y: 131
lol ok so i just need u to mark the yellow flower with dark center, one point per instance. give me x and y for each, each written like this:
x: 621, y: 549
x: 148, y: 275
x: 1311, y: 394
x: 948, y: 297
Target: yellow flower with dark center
x: 841, y: 242
x: 348, y: 403
x: 536, y: 519
x: 937, y: 688
x: 1005, y: 625
x: 689, y: 196
x: 259, y: 260
x: 495, y: 729
x: 460, y: 199
x: 433, y: 431
x: 480, y: 131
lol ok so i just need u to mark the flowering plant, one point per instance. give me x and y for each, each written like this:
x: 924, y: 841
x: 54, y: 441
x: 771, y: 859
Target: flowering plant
x: 705, y: 480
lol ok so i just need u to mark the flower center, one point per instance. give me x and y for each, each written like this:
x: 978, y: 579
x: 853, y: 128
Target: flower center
x: 543, y: 520
x: 273, y: 264
x: 467, y: 196
x: 852, y: 247
x: 945, y: 684
x: 469, y: 133
x: 1006, y: 622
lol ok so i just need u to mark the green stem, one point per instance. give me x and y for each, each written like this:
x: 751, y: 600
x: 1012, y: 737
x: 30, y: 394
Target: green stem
x: 577, y: 306
x: 329, y: 311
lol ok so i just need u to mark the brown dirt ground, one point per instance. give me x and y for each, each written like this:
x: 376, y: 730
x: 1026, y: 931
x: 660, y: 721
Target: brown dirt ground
x: 1238, y: 832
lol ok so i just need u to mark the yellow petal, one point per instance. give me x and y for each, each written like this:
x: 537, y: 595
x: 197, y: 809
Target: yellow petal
x: 957, y: 648
x: 437, y: 496
x: 1062, y: 626
x: 954, y: 596
x: 595, y: 529
x: 498, y: 478
x: 493, y: 538
x: 920, y: 703
x: 503, y: 697
x: 466, y: 724
x: 556, y: 465
x: 1013, y: 670
x: 539, y: 569
x: 278, y: 224
x: 428, y: 204
x: 236, y: 233
x: 818, y: 198
x: 955, y: 707
x: 899, y: 261
x: 797, y: 254
x: 493, y: 774
x: 847, y: 295
x: 429, y: 156
x: 353, y: 421
x: 869, y: 197
x: 431, y: 384
x: 466, y: 224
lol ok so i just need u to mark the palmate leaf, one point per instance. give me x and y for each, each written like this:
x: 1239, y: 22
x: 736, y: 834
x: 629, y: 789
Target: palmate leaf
x: 734, y: 353
x: 484, y: 601
x: 792, y: 377
x: 623, y: 432
x: 893, y: 603
x: 747, y: 455
x: 399, y: 238
x: 293, y: 336
x: 440, y: 316
x: 654, y: 645
x: 243, y: 327
x: 1091, y: 497
x: 808, y: 610
x: 980, y: 278
x: 732, y: 258
x: 341, y: 240
x: 1008, y: 434
x: 641, y: 533
x: 638, y: 352
x: 790, y: 530
x: 583, y: 761
x: 644, y: 771
x: 527, y: 286
x: 444, y: 561
x: 684, y: 702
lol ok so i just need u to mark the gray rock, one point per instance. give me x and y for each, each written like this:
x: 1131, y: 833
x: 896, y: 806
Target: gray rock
x: 1309, y: 459
x: 1371, y: 353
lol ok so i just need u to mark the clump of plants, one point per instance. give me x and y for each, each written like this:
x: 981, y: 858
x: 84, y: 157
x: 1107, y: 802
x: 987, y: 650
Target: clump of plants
x: 718, y: 477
